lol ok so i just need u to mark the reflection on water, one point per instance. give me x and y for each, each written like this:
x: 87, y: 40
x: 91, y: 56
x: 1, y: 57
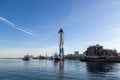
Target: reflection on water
x: 26, y: 63
x: 60, y: 65
x: 103, y: 71
x: 60, y: 70
x: 96, y: 67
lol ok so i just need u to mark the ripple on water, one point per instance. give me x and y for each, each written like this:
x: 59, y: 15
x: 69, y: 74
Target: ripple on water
x: 49, y: 70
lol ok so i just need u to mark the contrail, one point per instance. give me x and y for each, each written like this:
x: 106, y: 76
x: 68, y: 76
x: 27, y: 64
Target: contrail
x: 16, y: 26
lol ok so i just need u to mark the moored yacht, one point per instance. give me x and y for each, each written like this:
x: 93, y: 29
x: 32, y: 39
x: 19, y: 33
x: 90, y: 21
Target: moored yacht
x: 26, y: 57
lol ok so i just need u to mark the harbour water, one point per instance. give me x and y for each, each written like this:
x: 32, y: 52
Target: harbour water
x: 17, y: 69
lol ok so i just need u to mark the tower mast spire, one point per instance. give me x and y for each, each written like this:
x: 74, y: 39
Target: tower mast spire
x: 62, y: 24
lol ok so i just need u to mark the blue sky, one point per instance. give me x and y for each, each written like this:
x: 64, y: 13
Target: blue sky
x: 31, y: 26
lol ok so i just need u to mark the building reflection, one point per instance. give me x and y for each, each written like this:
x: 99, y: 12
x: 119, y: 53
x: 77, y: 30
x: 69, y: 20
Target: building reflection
x: 96, y: 67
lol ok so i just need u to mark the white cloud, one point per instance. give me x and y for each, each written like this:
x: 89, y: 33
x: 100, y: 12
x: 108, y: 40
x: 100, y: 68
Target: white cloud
x: 16, y: 26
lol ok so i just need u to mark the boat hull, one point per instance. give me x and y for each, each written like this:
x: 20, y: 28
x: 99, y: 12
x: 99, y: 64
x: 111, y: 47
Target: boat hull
x: 115, y: 59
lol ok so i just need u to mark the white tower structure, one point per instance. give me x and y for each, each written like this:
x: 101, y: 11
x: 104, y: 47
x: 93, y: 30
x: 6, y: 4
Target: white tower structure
x: 61, y: 42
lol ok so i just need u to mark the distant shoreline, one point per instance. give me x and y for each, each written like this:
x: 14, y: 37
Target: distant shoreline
x: 10, y: 58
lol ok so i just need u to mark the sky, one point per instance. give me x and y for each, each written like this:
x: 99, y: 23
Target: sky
x: 31, y: 26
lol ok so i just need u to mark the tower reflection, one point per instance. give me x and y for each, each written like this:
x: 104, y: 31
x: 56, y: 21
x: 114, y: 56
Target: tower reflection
x: 60, y: 66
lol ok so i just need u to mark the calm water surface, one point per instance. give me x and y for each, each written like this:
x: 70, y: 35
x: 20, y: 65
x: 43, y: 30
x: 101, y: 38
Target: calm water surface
x: 16, y: 69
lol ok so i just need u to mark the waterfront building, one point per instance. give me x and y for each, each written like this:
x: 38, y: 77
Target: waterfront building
x: 76, y: 53
x: 69, y: 56
x: 97, y: 50
x: 94, y: 50
x: 109, y: 53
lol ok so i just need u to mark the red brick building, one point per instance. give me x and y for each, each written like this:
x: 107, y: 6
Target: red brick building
x: 97, y: 50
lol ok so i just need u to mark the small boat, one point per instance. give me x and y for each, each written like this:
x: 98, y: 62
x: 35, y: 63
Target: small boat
x: 26, y: 57
x: 57, y: 59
